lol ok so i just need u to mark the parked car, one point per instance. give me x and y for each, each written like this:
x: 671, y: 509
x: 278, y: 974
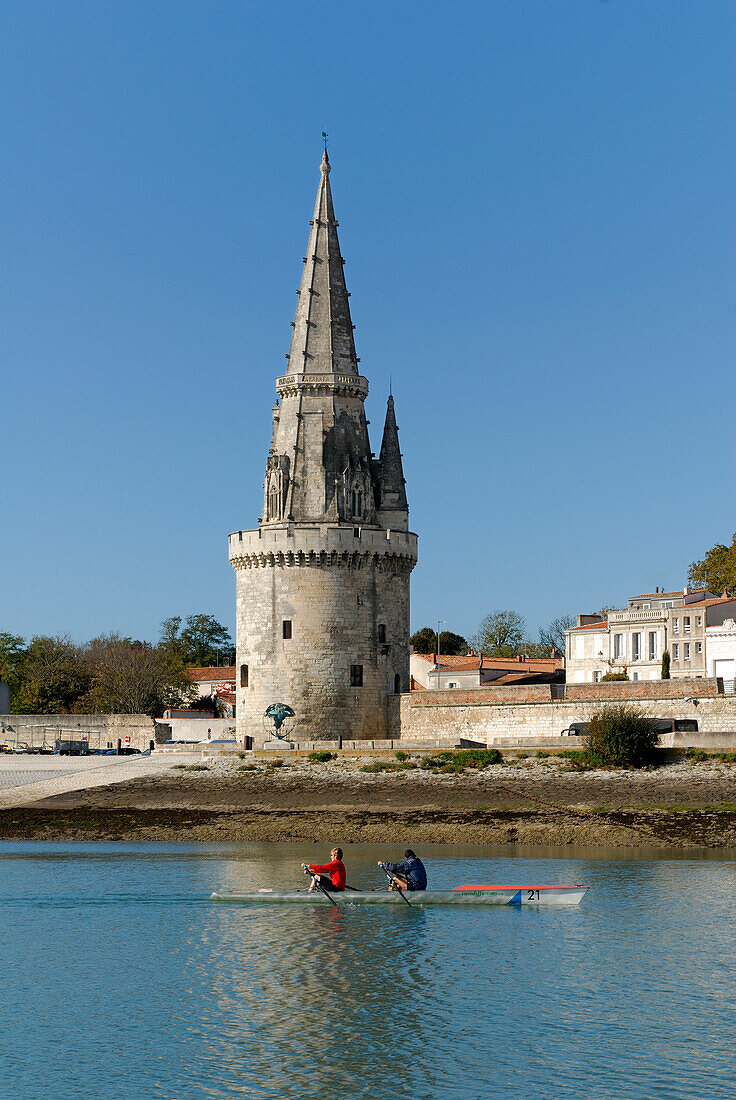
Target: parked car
x: 576, y: 729
x: 71, y: 748
x: 676, y: 725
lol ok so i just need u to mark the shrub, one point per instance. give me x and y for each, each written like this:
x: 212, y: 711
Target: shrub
x: 321, y: 756
x: 192, y: 767
x: 610, y: 676
x: 401, y: 755
x: 696, y: 755
x: 621, y: 735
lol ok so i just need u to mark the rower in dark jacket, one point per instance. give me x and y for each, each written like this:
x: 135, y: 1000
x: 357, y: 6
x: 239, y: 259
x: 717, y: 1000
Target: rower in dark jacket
x: 409, y: 874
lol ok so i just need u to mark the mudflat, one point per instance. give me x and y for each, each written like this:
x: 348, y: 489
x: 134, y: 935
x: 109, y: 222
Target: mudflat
x: 532, y: 801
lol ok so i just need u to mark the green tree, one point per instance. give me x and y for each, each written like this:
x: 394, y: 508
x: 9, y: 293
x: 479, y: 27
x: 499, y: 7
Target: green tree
x: 501, y: 634
x: 53, y: 676
x: 12, y: 655
x: 425, y: 641
x: 717, y: 570
x: 200, y: 642
x: 666, y: 665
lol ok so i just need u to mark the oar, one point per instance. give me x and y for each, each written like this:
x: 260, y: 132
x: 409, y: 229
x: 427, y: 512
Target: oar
x: 318, y: 883
x: 396, y: 886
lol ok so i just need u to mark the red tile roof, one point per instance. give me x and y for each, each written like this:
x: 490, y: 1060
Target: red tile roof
x: 472, y: 662
x: 677, y: 592
x: 216, y: 672
x: 590, y: 626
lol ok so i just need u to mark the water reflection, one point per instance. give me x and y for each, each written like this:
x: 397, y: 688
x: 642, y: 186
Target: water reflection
x: 334, y: 991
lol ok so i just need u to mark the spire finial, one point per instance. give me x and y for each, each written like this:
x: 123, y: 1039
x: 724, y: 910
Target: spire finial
x: 325, y: 135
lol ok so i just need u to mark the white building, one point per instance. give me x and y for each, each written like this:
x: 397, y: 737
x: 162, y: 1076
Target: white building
x: 720, y: 647
x: 633, y: 639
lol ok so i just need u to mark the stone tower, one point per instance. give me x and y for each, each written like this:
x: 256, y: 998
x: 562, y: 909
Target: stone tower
x: 323, y: 581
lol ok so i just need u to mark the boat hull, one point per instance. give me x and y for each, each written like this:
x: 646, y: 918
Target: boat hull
x: 468, y: 895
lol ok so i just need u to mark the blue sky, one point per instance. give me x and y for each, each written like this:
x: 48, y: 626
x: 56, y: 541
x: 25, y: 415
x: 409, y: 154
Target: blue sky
x: 536, y: 209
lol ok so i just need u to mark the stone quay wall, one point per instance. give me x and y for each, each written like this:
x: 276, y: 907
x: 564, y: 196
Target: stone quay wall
x: 510, y: 715
x: 101, y: 730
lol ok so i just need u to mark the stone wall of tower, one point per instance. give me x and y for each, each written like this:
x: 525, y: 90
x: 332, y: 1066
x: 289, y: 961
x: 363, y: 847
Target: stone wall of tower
x: 337, y: 591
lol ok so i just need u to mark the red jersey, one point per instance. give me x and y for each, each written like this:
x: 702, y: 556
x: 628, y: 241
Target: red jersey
x: 336, y: 871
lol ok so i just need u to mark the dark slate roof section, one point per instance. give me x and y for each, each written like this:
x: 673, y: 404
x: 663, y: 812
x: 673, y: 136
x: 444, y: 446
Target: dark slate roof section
x: 391, y: 472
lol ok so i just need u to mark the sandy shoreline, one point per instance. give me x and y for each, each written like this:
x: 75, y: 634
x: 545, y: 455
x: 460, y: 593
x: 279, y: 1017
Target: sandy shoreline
x: 534, y: 801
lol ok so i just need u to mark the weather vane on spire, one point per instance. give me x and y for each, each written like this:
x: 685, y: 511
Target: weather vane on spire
x: 324, y: 137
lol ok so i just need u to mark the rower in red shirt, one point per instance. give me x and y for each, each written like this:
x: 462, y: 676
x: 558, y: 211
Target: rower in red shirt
x: 331, y: 875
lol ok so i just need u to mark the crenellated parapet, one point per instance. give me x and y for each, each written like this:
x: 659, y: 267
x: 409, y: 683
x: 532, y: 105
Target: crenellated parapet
x: 343, y: 385
x: 330, y: 547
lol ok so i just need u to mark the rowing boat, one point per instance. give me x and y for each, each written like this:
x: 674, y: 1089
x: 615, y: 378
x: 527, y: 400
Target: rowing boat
x: 460, y: 895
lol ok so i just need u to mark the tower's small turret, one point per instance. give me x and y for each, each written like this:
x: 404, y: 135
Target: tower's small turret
x: 393, y: 511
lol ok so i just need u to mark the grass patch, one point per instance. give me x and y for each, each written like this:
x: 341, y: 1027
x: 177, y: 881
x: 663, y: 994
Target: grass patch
x: 275, y: 764
x: 697, y: 755
x: 458, y: 760
x: 248, y: 768
x: 321, y: 756
x: 192, y: 767
x: 542, y: 754
x: 388, y: 766
x: 401, y: 755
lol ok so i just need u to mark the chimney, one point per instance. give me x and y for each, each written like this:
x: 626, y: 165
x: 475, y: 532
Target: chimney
x: 686, y: 590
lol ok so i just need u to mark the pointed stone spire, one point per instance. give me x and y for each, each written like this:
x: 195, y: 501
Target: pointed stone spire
x: 392, y: 504
x: 322, y: 341
x: 320, y: 465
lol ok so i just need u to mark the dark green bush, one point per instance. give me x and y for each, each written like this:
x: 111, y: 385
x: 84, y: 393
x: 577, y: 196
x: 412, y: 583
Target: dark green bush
x: 611, y: 676
x: 621, y: 735
x: 321, y: 756
x: 697, y: 755
x: 401, y: 755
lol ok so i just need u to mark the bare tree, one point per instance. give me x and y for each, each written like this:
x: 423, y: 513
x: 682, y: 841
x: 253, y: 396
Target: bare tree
x: 553, y: 636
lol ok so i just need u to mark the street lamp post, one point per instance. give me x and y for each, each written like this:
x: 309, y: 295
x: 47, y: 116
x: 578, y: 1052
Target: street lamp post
x: 440, y: 622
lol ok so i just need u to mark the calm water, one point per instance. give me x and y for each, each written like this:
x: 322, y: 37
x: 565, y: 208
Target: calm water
x: 122, y: 979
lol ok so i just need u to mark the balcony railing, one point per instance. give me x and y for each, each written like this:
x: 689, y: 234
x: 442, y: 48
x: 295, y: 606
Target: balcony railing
x: 620, y: 617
